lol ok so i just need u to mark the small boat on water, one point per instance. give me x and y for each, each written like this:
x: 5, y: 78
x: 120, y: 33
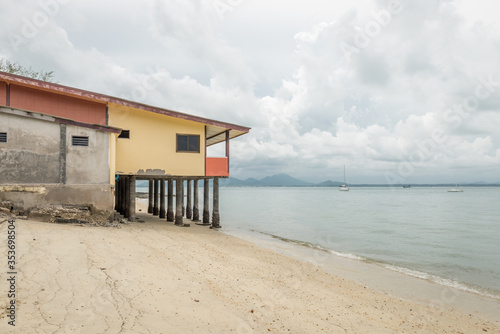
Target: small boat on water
x: 406, y: 186
x: 344, y: 187
x: 456, y: 189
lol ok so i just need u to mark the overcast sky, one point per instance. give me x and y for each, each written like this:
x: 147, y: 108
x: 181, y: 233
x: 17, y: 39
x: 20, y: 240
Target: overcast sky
x: 399, y: 91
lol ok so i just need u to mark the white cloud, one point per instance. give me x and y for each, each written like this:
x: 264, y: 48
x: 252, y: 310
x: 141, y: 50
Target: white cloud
x: 322, y: 84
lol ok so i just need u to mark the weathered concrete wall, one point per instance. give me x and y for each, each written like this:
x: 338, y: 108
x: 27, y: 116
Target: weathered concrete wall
x: 46, y: 195
x: 39, y: 166
x: 87, y: 164
x: 31, y: 154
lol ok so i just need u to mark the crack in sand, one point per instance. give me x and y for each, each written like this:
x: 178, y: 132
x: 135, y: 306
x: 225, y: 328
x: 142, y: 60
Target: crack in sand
x: 154, y: 278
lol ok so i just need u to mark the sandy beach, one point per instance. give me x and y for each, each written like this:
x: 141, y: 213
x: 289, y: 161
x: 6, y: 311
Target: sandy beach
x: 154, y: 277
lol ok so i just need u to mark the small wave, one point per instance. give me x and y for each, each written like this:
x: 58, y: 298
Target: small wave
x: 409, y: 272
x: 348, y: 256
x: 293, y: 241
x: 314, y: 246
x: 441, y: 281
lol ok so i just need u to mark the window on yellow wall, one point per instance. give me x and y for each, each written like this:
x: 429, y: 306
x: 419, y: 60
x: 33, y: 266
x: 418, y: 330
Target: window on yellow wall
x: 124, y: 134
x: 188, y: 143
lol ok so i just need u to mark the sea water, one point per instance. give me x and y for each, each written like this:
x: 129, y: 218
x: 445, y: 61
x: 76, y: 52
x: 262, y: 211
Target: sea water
x: 451, y: 239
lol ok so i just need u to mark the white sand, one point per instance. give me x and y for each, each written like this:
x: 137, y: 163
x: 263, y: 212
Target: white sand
x: 158, y: 278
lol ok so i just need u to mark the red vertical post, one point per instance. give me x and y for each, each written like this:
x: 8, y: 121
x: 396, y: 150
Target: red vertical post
x: 227, y: 150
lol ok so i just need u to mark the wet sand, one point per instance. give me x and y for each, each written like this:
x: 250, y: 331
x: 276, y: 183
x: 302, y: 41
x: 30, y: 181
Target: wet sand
x: 154, y: 277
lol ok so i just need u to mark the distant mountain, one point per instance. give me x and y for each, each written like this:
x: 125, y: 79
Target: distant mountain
x: 142, y: 183
x: 251, y: 182
x: 284, y: 180
x: 278, y: 180
x: 329, y: 183
x: 232, y: 182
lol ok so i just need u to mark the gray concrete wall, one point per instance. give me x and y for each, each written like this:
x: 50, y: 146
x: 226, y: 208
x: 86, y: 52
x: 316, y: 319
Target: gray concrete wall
x: 46, y: 195
x: 31, y: 154
x: 87, y: 165
x: 35, y: 163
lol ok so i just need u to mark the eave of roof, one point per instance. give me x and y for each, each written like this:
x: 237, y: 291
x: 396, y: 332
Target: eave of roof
x: 237, y: 130
x: 57, y: 119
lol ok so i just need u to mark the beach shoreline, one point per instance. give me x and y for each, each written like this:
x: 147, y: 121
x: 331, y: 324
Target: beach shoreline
x: 380, y: 278
x: 159, y: 278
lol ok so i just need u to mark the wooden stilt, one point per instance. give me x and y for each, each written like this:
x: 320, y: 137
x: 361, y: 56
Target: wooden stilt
x: 196, y: 211
x: 131, y: 205
x: 206, y: 199
x: 215, y: 209
x: 189, y: 209
x: 162, y: 199
x: 126, y: 195
x: 150, y: 197
x: 155, y: 197
x: 118, y: 196
x: 117, y: 201
x: 182, y: 197
x: 123, y: 206
x: 170, y: 206
x: 178, y: 203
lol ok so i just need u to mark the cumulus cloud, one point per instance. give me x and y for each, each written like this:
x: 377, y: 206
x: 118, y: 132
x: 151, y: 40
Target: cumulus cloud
x: 401, y: 88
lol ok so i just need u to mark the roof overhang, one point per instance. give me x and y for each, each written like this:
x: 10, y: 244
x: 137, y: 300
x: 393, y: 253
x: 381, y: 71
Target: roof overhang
x: 217, y: 134
x: 213, y: 126
x: 56, y: 119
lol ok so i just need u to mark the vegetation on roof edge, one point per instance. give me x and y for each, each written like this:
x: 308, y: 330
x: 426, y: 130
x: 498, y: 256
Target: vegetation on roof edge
x: 16, y: 68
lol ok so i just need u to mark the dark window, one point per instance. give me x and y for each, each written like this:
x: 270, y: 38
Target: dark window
x: 124, y: 134
x: 3, y: 137
x: 80, y: 141
x: 188, y: 143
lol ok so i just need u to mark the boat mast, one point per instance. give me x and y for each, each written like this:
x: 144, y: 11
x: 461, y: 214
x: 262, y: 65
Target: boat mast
x: 344, y: 176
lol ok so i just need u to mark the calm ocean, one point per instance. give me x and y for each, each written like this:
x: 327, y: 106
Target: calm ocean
x: 451, y: 239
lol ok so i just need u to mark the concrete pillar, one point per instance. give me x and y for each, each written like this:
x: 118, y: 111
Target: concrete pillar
x: 131, y: 205
x: 215, y: 209
x: 126, y: 197
x: 162, y: 199
x: 196, y: 211
x: 150, y: 197
x: 189, y: 209
x: 178, y: 202
x: 118, y: 201
x: 155, y: 197
x: 123, y: 190
x: 116, y: 195
x: 170, y: 206
x: 206, y: 199
x: 183, y: 206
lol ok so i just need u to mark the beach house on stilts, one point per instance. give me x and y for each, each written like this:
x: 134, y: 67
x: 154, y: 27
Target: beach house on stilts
x: 65, y: 146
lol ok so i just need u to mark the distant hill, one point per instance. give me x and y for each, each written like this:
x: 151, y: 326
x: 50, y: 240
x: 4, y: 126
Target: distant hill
x: 284, y: 180
x: 278, y: 180
x: 329, y: 183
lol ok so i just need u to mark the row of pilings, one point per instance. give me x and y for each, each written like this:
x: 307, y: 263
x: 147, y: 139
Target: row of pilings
x: 159, y: 188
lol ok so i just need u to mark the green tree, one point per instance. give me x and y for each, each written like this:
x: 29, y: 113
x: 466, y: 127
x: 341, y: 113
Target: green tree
x: 16, y: 68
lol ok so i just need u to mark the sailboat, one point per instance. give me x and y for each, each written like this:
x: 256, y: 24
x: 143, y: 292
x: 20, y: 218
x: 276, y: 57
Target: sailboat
x: 457, y: 189
x: 344, y: 187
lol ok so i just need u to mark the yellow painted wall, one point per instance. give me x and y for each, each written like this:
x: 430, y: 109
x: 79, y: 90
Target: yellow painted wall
x: 152, y: 143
